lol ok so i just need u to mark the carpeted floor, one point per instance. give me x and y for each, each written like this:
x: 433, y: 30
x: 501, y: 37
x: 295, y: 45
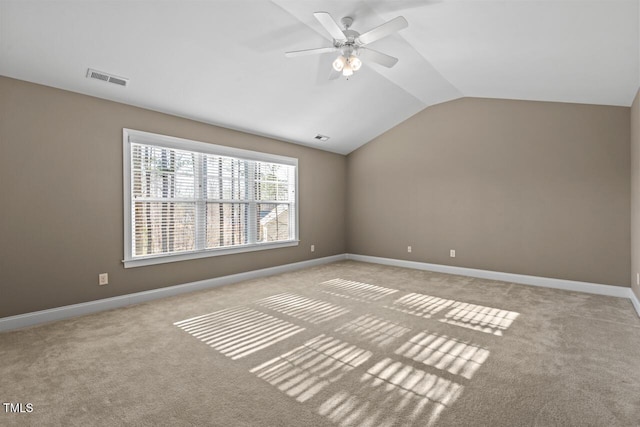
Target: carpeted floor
x: 348, y: 344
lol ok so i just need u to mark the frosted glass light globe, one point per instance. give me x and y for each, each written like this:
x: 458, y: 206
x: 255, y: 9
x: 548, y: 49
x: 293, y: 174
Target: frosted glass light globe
x: 355, y: 63
x: 339, y: 63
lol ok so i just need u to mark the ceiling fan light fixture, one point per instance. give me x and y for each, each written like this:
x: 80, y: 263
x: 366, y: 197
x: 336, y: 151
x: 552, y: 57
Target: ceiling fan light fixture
x: 350, y: 44
x: 339, y: 63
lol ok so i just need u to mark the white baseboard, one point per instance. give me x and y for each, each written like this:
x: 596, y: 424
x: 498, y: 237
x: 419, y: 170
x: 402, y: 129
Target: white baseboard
x: 635, y: 301
x: 547, y: 282
x: 44, y: 316
x: 37, y: 317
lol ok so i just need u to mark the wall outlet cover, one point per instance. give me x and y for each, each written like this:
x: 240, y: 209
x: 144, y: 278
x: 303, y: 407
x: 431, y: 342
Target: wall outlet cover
x: 103, y: 279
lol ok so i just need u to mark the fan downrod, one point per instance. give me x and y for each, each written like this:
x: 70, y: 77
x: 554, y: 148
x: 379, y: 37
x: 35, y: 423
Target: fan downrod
x: 346, y: 22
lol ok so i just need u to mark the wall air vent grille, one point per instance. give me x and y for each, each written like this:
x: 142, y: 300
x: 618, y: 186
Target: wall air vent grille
x: 99, y: 76
x: 118, y: 81
x: 106, y: 77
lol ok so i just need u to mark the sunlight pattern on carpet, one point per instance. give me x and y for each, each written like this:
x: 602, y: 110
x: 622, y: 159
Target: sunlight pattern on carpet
x: 374, y: 329
x: 302, y: 372
x: 480, y: 318
x: 392, y: 393
x: 238, y: 332
x: 421, y: 305
x: 356, y: 290
x: 309, y: 310
x: 471, y: 316
x: 442, y: 352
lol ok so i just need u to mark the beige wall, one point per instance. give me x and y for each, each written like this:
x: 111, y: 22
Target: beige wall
x: 61, y: 214
x: 635, y: 193
x: 522, y: 187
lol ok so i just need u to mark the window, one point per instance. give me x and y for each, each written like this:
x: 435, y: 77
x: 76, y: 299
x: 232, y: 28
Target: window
x: 186, y: 199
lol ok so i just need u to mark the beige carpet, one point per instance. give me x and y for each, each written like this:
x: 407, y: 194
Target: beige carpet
x: 348, y: 344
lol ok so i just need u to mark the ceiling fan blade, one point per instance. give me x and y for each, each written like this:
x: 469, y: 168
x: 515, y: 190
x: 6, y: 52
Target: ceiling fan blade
x: 378, y: 57
x: 326, y: 73
x: 329, y: 24
x: 334, y: 74
x: 389, y: 27
x: 305, y: 52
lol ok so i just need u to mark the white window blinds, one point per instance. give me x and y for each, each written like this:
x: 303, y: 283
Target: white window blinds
x: 187, y: 197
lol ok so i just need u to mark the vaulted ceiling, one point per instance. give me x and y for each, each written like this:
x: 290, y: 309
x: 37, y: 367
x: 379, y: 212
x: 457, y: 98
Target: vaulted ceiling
x: 222, y: 62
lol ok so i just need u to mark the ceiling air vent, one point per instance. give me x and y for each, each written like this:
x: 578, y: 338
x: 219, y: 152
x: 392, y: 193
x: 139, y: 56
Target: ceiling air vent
x: 106, y: 77
x: 321, y: 137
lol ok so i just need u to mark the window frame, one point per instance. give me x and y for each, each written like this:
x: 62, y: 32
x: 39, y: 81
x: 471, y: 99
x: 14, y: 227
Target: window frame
x: 130, y: 136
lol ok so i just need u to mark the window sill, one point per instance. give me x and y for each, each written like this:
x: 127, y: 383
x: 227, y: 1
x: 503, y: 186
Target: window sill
x: 163, y: 259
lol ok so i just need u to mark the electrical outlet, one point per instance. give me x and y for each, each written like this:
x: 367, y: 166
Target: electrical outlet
x: 452, y: 253
x: 637, y: 278
x: 313, y: 248
x: 103, y: 279
x: 409, y: 249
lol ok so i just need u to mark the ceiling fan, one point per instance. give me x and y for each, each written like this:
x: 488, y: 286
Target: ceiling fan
x: 352, y: 45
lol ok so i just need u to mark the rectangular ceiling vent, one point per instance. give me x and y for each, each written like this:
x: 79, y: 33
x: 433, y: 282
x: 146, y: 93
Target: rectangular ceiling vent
x: 321, y: 137
x: 106, y: 77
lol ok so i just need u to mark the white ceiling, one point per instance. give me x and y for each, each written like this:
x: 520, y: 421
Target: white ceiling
x: 222, y: 62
